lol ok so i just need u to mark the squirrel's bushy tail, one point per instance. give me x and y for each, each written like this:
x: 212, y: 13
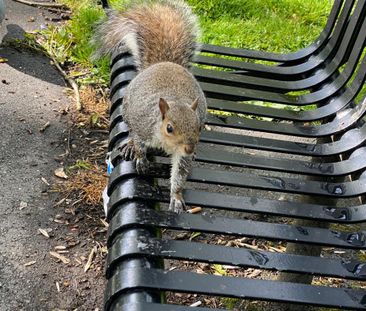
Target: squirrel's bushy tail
x: 152, y: 31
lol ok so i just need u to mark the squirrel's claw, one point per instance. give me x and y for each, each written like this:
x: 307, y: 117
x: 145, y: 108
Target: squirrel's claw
x: 142, y: 165
x: 177, y: 204
x: 127, y: 151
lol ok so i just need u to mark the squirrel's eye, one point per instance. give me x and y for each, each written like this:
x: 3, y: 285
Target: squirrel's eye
x: 169, y: 128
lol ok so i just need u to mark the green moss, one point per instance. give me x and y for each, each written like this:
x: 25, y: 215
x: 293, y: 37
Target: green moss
x: 229, y: 303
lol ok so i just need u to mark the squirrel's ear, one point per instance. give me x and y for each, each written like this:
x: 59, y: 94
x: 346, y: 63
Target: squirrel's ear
x: 164, y: 107
x: 194, y: 104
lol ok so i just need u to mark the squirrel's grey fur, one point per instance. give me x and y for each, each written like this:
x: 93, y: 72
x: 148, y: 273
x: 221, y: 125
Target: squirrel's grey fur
x: 162, y: 36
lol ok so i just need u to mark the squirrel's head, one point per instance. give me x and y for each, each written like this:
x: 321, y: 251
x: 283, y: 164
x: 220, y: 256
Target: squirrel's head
x: 180, y: 127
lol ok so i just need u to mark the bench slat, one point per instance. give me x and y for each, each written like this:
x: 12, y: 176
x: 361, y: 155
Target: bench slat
x: 134, y: 216
x: 177, y: 281
x: 126, y: 247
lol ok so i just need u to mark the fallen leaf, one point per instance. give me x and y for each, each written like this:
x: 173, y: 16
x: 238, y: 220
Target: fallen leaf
x: 219, y: 270
x: 339, y: 252
x: 78, y: 261
x: 105, y: 224
x: 70, y: 211
x: 254, y: 273
x: 30, y: 263
x: 60, y: 247
x: 44, y: 127
x: 61, y: 173
x: 44, y: 233
x: 227, y: 267
x: 60, y: 202
x: 194, y: 235
x: 22, y: 205
x: 3, y: 60
x: 58, y: 286
x: 64, y: 259
x: 60, y: 221
x: 276, y: 249
x: 45, y: 181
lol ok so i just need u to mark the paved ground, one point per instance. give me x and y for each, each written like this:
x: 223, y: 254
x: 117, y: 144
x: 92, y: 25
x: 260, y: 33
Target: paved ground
x: 31, y: 94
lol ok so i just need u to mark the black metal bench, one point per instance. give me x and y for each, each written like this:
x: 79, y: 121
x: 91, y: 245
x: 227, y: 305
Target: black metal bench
x: 307, y: 167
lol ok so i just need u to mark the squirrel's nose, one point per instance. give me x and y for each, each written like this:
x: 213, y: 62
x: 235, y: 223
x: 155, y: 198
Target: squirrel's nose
x: 189, y: 148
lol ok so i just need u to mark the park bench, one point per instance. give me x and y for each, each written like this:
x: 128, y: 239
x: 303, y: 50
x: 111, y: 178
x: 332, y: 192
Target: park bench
x: 273, y: 175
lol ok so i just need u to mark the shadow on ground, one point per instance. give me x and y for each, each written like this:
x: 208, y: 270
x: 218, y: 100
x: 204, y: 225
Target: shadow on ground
x: 27, y: 61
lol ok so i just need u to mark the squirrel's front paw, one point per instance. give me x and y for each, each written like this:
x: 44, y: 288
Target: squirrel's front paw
x: 177, y: 204
x: 128, y: 151
x: 142, y: 165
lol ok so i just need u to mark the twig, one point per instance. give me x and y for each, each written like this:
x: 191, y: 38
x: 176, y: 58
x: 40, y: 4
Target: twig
x: 100, y: 131
x: 72, y: 83
x: 64, y: 10
x: 64, y: 259
x: 90, y: 259
x: 44, y: 4
x: 68, y: 141
x: 196, y: 304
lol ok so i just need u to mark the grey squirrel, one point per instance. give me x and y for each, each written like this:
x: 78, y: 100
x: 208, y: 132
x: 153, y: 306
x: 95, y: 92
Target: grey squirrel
x: 164, y: 105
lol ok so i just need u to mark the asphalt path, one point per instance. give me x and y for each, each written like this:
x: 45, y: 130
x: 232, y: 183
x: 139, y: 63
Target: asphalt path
x: 31, y: 94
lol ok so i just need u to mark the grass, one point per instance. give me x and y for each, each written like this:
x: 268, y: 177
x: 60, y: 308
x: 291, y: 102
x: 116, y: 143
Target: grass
x: 269, y: 25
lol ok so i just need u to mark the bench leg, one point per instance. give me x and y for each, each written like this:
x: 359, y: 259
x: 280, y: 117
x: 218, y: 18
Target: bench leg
x: 305, y: 249
x: 301, y: 249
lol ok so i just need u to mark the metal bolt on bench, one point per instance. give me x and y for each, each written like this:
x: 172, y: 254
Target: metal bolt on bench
x: 303, y: 166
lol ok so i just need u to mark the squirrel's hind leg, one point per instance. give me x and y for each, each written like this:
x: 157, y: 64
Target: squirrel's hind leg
x: 181, y: 167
